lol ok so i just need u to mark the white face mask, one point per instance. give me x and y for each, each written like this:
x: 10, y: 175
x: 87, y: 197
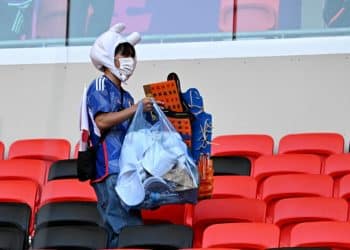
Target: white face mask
x: 127, y: 66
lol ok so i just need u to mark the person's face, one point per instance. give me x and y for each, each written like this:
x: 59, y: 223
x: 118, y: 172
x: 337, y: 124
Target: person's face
x: 126, y: 65
x: 116, y: 60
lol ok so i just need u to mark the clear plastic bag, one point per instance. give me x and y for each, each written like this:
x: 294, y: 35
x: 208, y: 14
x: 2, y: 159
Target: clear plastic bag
x: 155, y: 166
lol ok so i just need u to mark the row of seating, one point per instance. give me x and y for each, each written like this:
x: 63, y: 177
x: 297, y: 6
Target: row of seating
x: 252, y: 145
x: 66, y: 205
x: 273, y: 180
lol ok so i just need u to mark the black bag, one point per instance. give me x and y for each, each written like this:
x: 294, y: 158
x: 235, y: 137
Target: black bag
x: 86, y: 164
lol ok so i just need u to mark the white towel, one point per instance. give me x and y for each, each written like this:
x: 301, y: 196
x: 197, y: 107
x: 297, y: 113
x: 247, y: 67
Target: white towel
x: 84, y: 122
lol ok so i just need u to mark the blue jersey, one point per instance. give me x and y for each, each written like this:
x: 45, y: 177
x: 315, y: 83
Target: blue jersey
x: 104, y: 96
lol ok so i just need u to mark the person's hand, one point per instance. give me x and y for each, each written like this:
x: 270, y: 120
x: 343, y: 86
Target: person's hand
x: 147, y: 104
x: 161, y: 104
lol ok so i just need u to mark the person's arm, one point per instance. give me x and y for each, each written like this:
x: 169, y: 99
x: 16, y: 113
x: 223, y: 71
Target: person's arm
x: 105, y: 121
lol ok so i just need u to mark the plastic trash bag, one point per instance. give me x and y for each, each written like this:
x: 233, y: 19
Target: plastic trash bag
x: 155, y: 166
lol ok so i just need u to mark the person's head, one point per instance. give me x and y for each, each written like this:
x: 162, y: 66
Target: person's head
x: 125, y: 58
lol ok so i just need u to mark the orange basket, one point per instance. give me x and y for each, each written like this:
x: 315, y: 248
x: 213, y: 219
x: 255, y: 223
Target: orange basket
x: 169, y: 94
x: 166, y: 92
x: 183, y: 126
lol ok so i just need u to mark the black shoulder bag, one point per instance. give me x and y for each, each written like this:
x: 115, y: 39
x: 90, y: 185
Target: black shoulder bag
x: 87, y: 162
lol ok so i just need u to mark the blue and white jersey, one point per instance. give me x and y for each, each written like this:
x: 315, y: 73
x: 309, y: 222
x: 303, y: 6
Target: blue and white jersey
x: 104, y: 96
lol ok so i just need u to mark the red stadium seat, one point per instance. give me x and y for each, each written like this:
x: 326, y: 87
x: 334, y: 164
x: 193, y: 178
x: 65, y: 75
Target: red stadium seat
x: 252, y: 15
x: 23, y: 169
x: 42, y: 149
x: 242, y: 145
x: 266, y: 166
x: 21, y: 191
x: 234, y: 186
x: 241, y: 235
x: 174, y: 213
x: 323, y: 144
x: 67, y: 202
x: 289, y: 212
x: 321, y: 234
x: 215, y: 211
x: 337, y: 165
x: 280, y: 187
x: 67, y: 190
x: 2, y: 150
x: 248, y: 147
x: 46, y: 149
x: 342, y: 189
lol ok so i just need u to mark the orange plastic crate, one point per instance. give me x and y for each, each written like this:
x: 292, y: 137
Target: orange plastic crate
x: 166, y: 92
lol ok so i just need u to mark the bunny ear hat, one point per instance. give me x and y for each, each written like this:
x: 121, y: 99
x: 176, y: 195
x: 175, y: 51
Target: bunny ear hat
x: 102, y: 51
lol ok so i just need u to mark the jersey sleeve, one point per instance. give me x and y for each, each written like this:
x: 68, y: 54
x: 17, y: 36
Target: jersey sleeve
x: 98, y: 100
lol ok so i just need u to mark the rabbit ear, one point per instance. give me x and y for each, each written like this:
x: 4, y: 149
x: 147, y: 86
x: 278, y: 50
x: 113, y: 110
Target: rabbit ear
x: 134, y: 38
x: 119, y: 27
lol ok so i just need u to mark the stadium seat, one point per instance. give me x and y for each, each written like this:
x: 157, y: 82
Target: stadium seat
x: 230, y: 186
x: 43, y: 149
x: 173, y: 213
x: 323, y: 144
x: 266, y: 166
x: 20, y: 195
x: 161, y: 236
x: 279, y: 187
x: 67, y: 203
x: 235, y: 154
x: 252, y: 15
x: 2, y: 150
x: 67, y: 190
x: 337, y: 165
x: 49, y: 150
x: 214, y: 211
x: 64, y: 200
x: 342, y: 189
x: 291, y: 211
x: 12, y: 238
x: 70, y: 237
x: 63, y: 169
x: 23, y: 169
x: 241, y: 235
x: 321, y: 234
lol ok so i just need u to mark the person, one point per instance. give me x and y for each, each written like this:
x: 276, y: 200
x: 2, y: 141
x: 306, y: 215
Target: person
x: 110, y: 109
x: 336, y: 13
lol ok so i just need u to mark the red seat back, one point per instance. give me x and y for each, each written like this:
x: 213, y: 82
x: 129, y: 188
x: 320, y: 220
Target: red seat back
x: 321, y: 234
x: 214, y: 211
x: 241, y: 235
x: 289, y: 212
x: 323, y: 144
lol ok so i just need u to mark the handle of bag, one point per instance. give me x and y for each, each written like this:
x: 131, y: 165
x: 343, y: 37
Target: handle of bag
x: 139, y: 115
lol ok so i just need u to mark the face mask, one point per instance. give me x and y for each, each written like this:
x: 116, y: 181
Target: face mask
x: 127, y: 66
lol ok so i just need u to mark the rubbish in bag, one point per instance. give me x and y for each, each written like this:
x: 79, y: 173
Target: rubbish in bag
x: 155, y: 166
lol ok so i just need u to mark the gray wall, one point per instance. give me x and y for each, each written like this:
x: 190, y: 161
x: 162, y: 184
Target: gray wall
x: 275, y: 95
